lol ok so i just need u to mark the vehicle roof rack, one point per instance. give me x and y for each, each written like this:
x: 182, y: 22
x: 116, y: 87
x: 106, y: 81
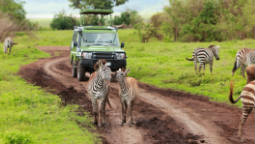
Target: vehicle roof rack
x: 96, y: 11
x: 99, y: 28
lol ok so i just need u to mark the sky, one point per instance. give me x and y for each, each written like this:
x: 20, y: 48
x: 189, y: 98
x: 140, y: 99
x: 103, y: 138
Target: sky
x: 47, y: 8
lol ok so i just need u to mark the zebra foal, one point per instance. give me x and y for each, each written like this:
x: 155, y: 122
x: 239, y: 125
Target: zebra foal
x: 204, y: 56
x: 247, y: 97
x: 128, y: 91
x: 98, y: 90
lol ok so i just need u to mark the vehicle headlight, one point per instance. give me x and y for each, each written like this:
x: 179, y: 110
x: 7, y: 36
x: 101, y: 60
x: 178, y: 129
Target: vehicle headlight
x: 120, y: 55
x: 87, y: 55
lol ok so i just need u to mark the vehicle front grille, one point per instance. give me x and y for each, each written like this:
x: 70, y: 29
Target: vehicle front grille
x: 103, y: 55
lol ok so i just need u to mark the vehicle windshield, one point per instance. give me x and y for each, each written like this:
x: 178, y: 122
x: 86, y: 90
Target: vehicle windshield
x: 101, y: 39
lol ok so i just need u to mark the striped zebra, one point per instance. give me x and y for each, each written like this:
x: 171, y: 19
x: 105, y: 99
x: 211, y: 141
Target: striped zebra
x: 244, y: 57
x: 98, y: 90
x: 8, y: 44
x: 247, y: 97
x: 128, y: 91
x: 204, y: 56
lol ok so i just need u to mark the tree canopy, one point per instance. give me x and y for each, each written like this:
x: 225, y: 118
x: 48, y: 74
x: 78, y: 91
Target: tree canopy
x: 96, y: 4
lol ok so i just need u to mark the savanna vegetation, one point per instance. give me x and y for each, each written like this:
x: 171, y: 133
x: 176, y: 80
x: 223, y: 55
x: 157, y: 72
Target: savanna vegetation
x: 163, y: 64
x: 205, y: 20
x: 13, y: 18
x: 29, y: 114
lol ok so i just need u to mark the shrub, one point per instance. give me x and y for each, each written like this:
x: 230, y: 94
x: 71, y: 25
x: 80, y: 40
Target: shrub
x: 145, y: 31
x: 62, y: 22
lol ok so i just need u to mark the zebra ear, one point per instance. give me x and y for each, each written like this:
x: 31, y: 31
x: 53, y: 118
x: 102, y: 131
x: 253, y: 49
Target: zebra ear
x: 126, y: 72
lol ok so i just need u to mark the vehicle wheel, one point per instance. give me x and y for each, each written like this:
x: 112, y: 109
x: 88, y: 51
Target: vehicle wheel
x: 74, y: 71
x: 80, y: 73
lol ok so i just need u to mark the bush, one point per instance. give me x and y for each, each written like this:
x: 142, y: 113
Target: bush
x: 145, y: 31
x: 63, y: 22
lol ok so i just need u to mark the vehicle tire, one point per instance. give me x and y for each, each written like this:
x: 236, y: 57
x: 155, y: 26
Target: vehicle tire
x: 80, y: 72
x: 74, y: 71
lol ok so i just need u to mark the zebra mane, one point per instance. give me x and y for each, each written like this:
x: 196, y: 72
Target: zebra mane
x: 211, y: 46
x: 99, y: 63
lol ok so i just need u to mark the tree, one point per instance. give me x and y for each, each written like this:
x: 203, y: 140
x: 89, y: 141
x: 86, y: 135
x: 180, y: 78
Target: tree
x: 203, y: 27
x: 129, y: 17
x: 14, y: 9
x: 96, y: 4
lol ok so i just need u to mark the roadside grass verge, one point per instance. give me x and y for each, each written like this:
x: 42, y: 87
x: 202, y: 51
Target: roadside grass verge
x: 163, y: 64
x: 30, y: 114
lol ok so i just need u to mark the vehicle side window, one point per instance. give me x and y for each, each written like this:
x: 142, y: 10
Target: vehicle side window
x: 75, y: 37
x: 79, y: 40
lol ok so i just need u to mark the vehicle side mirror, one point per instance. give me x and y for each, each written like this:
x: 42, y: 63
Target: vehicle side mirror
x: 122, y: 45
x: 75, y: 44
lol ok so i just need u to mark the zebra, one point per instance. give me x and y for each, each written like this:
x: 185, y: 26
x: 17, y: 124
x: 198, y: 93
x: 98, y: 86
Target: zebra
x: 204, y: 56
x: 244, y: 57
x: 98, y: 90
x: 8, y: 44
x: 128, y: 92
x: 247, y: 97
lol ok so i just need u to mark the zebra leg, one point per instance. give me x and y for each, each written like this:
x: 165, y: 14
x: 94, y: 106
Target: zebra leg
x: 211, y: 67
x: 204, y: 68
x: 103, y: 111
x: 94, y: 109
x: 124, y: 111
x: 10, y: 49
x: 200, y: 67
x: 195, y: 65
x: 5, y: 50
x: 245, y: 113
x: 242, y: 70
x: 129, y: 112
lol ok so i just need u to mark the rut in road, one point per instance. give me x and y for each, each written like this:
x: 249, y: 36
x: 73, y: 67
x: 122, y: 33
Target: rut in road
x: 166, y: 106
x: 162, y: 117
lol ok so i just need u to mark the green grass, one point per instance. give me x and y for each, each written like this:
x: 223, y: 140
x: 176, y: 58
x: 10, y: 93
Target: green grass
x: 30, y: 114
x: 163, y: 64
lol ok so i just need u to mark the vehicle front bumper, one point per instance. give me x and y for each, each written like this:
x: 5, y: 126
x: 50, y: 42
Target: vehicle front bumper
x: 115, y: 64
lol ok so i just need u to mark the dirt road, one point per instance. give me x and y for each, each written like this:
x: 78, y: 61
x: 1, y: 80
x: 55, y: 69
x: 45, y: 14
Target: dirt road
x: 162, y: 115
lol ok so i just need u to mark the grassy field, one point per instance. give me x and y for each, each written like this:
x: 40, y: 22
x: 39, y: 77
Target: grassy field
x: 163, y: 64
x: 29, y: 114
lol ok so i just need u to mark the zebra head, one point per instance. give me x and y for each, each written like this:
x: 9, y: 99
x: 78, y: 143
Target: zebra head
x: 121, y: 74
x: 104, y: 71
x: 215, y: 49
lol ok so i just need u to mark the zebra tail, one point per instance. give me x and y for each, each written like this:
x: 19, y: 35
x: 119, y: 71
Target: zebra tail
x: 231, y: 94
x: 234, y: 68
x: 190, y: 59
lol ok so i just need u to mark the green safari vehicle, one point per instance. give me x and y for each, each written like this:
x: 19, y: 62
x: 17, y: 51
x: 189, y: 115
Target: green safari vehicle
x: 91, y: 43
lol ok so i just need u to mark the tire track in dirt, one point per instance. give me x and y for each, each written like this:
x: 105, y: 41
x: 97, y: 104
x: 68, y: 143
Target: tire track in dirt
x: 126, y: 134
x: 162, y: 116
